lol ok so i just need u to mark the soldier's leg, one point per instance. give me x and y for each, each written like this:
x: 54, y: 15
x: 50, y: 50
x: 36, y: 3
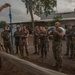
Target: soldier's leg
x: 16, y: 49
x: 54, y: 53
x: 26, y: 48
x: 35, y: 48
x: 17, y: 46
x: 42, y: 49
x: 59, y: 57
x: 45, y: 49
x: 68, y: 46
x: 47, y: 46
x: 38, y: 46
x: 9, y: 46
x: 0, y: 62
x: 71, y: 47
x: 5, y: 45
x: 21, y: 48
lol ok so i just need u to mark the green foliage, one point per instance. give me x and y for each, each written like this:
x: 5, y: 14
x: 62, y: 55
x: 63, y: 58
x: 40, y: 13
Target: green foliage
x: 40, y: 6
x: 2, y: 24
x: 57, y: 18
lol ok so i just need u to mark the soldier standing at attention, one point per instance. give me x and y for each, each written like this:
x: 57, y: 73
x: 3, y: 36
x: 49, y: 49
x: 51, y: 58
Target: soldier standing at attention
x: 36, y: 40
x: 73, y: 41
x: 69, y: 32
x: 56, y: 46
x: 43, y: 42
x: 1, y: 46
x: 17, y: 39
x: 6, y: 39
x: 24, y: 41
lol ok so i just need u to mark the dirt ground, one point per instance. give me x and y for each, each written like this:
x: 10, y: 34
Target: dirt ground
x: 11, y: 69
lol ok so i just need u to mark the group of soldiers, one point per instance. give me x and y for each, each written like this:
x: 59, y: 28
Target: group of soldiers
x: 21, y: 40
x: 70, y: 35
x: 41, y: 42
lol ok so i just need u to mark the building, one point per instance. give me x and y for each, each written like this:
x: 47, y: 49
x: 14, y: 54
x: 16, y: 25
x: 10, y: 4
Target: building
x: 67, y: 18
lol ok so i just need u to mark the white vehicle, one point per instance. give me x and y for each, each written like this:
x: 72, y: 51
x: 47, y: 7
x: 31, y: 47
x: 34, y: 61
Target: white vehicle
x: 50, y: 29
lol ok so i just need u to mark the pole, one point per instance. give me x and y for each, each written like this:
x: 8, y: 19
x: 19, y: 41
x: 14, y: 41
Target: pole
x: 10, y: 16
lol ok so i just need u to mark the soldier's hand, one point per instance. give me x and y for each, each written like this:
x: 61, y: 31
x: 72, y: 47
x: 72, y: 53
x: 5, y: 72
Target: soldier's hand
x: 41, y: 34
x: 6, y: 5
x: 55, y: 31
x: 3, y: 48
x: 22, y: 35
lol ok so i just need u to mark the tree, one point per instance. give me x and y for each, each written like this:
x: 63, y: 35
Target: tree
x: 57, y: 18
x: 2, y: 24
x: 39, y: 7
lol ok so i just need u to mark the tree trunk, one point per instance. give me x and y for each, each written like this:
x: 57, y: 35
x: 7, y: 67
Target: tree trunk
x: 31, y: 14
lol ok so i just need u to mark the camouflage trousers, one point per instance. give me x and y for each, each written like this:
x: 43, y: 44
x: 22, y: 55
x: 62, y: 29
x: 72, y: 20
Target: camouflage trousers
x: 69, y: 47
x: 57, y: 51
x: 0, y: 62
x: 23, y: 44
x: 37, y: 45
x: 17, y: 45
x: 7, y: 45
x: 43, y: 49
x: 73, y: 50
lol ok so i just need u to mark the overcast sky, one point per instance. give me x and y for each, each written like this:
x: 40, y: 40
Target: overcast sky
x: 65, y: 5
x: 19, y: 11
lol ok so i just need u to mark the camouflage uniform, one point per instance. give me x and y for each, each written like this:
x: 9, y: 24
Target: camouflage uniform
x: 17, y: 39
x: 73, y: 40
x: 23, y: 42
x: 43, y: 42
x: 6, y: 40
x: 36, y: 41
x: 69, y: 43
x: 73, y: 56
x: 56, y: 47
x: 0, y: 57
x: 47, y: 39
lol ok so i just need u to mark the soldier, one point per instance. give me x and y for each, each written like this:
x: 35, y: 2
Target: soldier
x: 4, y: 6
x: 17, y: 39
x: 6, y: 39
x: 43, y: 42
x: 73, y: 41
x: 24, y: 41
x: 69, y: 44
x: 2, y: 48
x: 56, y: 46
x: 36, y: 40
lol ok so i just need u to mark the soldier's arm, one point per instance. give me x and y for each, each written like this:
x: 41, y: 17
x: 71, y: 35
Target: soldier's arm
x: 27, y: 33
x: 2, y: 35
x: 58, y: 33
x: 4, y: 6
x: 14, y: 34
x: 3, y: 48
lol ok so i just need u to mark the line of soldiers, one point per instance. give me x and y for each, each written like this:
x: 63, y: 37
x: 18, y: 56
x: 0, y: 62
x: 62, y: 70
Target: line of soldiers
x: 70, y: 35
x: 41, y: 42
x: 21, y: 40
